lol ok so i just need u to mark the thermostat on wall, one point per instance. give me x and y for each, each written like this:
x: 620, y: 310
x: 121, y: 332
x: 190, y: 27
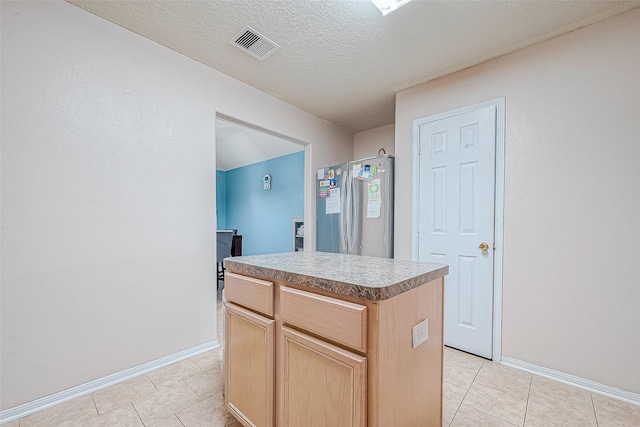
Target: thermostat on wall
x: 267, y: 182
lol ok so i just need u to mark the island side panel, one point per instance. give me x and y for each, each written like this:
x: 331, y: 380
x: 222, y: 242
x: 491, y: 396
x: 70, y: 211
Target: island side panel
x: 405, y: 383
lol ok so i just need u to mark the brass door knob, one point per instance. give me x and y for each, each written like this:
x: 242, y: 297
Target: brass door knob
x: 484, y: 246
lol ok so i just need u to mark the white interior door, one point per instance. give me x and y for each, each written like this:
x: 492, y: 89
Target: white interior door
x: 456, y: 220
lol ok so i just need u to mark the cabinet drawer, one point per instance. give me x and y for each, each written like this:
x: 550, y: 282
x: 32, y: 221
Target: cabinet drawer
x: 340, y: 321
x: 248, y: 292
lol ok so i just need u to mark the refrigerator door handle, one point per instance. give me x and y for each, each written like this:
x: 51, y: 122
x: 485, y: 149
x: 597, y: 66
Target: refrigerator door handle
x: 352, y: 212
x: 343, y: 212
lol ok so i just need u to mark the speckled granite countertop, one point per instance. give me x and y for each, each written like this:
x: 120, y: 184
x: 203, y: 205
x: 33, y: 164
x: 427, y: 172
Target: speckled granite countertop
x: 357, y: 276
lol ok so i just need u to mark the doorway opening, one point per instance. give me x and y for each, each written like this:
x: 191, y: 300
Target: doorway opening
x: 259, y: 185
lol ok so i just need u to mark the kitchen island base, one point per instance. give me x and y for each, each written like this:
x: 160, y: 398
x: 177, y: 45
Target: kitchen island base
x: 302, y: 356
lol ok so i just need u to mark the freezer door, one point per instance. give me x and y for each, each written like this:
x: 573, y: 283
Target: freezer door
x: 329, y: 226
x: 375, y: 209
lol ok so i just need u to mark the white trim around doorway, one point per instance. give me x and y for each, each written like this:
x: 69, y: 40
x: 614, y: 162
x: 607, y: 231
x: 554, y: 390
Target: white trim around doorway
x: 499, y: 103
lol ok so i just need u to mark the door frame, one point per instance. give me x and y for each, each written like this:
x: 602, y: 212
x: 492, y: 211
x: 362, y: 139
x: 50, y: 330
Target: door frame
x: 498, y: 237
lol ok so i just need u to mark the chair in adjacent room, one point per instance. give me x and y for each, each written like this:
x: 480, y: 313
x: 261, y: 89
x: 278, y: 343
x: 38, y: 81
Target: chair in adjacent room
x: 223, y: 250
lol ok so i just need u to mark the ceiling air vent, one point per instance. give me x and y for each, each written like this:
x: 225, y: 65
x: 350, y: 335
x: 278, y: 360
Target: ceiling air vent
x: 254, y: 43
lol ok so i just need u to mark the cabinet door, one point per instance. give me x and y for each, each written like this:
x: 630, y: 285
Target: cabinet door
x: 249, y: 364
x: 320, y: 384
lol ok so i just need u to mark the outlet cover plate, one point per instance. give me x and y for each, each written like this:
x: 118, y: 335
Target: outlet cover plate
x: 420, y: 333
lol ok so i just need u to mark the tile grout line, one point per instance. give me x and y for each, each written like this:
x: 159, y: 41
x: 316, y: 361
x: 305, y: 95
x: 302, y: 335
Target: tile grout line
x: 143, y: 397
x: 137, y: 413
x: 487, y: 413
x: 595, y: 413
x: 467, y: 392
x: 95, y: 405
x: 200, y: 367
x: 194, y: 392
x: 179, y: 420
x: 501, y: 391
x: 566, y: 399
x: 96, y: 408
x: 526, y: 407
x: 152, y: 383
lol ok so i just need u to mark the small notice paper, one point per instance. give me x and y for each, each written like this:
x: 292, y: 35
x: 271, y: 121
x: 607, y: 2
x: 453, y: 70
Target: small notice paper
x: 356, y: 168
x: 333, y: 201
x: 374, y: 201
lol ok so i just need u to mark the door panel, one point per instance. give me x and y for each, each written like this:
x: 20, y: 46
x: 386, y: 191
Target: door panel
x: 250, y: 366
x: 322, y: 385
x: 439, y: 200
x: 467, y: 291
x: 456, y: 215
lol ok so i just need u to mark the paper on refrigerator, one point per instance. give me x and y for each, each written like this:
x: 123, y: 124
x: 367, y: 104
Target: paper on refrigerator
x: 374, y: 201
x: 333, y: 201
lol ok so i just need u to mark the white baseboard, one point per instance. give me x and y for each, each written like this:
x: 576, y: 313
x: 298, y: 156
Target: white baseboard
x: 582, y: 383
x: 92, y: 386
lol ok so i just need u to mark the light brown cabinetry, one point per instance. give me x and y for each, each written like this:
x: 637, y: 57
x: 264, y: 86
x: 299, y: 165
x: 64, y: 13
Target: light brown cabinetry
x: 321, y: 384
x: 254, y: 294
x: 337, y: 320
x: 249, y: 352
x: 336, y: 360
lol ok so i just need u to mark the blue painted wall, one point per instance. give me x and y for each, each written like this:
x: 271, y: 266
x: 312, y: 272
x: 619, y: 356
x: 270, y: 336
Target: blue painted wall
x: 264, y: 217
x: 221, y: 199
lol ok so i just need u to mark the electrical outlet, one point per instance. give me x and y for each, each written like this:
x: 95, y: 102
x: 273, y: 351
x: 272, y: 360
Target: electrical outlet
x: 420, y: 333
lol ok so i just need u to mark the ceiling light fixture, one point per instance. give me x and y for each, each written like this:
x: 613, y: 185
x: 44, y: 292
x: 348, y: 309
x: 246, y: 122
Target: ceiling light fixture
x: 388, y: 6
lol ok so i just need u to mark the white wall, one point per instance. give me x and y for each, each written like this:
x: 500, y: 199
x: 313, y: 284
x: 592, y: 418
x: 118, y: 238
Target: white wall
x: 367, y: 143
x: 572, y: 195
x: 108, y: 195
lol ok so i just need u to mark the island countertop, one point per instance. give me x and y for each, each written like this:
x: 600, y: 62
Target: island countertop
x: 357, y: 276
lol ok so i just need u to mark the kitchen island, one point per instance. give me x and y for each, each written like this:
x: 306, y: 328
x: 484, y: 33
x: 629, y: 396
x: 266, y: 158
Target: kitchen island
x: 320, y: 339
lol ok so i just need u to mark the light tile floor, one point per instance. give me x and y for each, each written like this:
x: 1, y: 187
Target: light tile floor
x: 477, y: 392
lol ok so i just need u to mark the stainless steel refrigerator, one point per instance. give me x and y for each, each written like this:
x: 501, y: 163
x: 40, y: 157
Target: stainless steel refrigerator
x: 355, y: 207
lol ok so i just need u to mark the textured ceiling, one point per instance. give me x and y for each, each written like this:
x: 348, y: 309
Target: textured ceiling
x: 341, y: 60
